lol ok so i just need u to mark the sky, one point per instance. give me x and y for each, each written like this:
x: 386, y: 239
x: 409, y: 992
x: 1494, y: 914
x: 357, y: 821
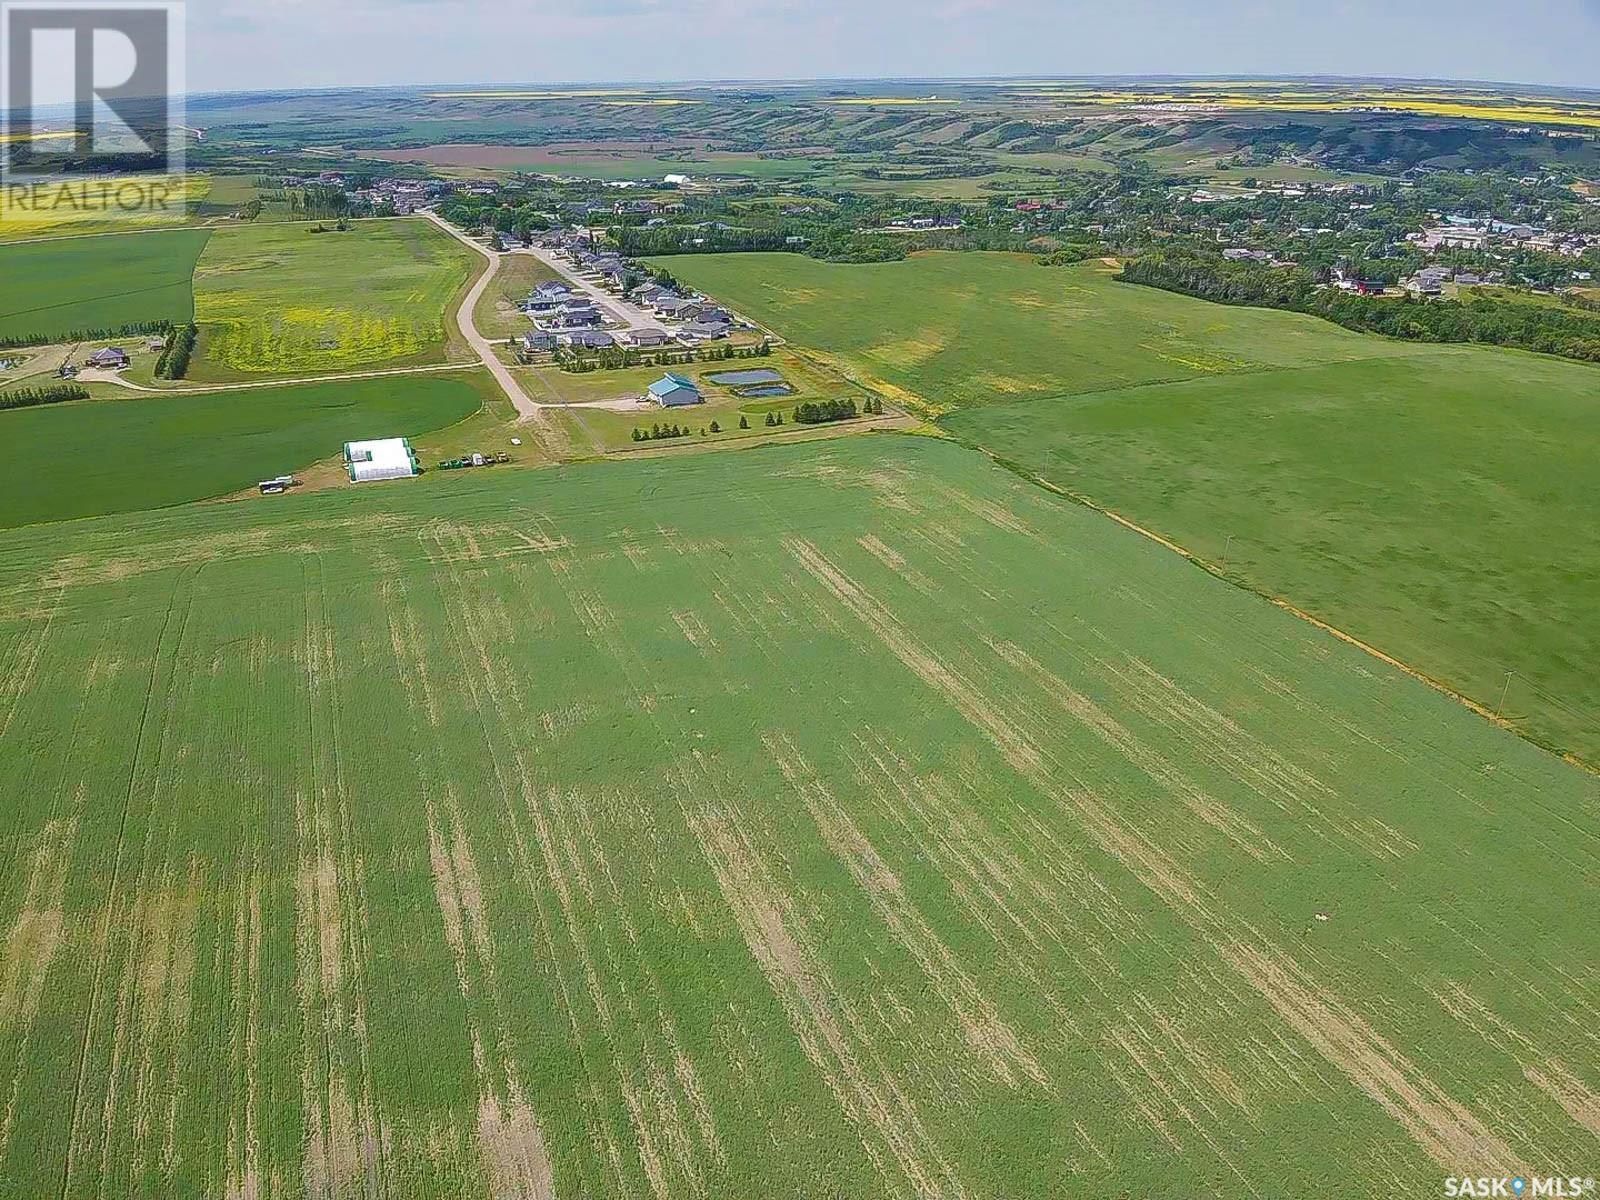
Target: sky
x: 268, y: 44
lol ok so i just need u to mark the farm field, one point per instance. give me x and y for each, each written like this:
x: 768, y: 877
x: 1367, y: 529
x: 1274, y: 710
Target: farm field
x: 94, y: 457
x: 73, y: 210
x: 282, y: 300
x: 61, y: 286
x: 1460, y: 551
x: 949, y: 330
x: 1440, y: 506
x: 975, y: 842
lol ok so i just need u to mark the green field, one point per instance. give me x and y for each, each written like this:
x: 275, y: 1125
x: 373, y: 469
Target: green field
x: 108, y: 456
x: 1441, y: 506
x: 282, y: 300
x: 1436, y: 502
x: 53, y: 288
x: 851, y: 820
x: 951, y: 330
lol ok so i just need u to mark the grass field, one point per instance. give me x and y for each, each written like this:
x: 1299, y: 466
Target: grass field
x: 53, y: 288
x: 1435, y: 502
x: 1441, y: 506
x: 496, y: 314
x: 853, y: 820
x: 280, y: 299
x: 107, y: 456
x: 949, y: 330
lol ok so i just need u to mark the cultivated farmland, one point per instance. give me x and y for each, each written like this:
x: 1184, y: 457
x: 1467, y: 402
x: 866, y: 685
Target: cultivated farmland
x: 54, y: 288
x: 281, y: 299
x: 862, y: 793
x: 1434, y: 501
x: 106, y: 456
x: 1441, y: 506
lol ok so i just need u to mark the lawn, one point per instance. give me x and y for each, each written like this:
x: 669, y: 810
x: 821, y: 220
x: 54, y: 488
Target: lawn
x: 852, y: 820
x: 1440, y: 506
x: 496, y: 314
x: 605, y: 429
x: 108, y: 456
x: 55, y: 288
x: 951, y: 330
x: 284, y: 300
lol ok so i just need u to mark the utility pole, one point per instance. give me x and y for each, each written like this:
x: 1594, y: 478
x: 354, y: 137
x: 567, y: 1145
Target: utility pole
x: 1499, y: 708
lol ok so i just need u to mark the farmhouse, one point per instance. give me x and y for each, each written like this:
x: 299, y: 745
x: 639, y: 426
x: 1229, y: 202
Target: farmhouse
x: 112, y: 358
x: 385, y: 458
x: 674, y: 391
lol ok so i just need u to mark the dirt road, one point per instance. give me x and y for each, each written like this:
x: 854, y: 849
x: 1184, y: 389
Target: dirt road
x: 525, y: 405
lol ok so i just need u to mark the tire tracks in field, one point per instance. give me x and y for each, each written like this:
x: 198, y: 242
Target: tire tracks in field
x: 1444, y: 1129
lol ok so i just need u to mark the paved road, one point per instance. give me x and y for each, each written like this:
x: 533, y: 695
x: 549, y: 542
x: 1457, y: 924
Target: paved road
x: 630, y: 315
x: 525, y: 405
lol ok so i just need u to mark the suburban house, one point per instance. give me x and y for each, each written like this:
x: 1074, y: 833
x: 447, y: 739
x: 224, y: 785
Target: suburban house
x: 674, y: 391
x: 112, y: 358
x: 578, y: 318
x: 700, y: 331
x: 649, y: 337
x: 547, y: 297
x: 589, y: 339
x: 538, y: 341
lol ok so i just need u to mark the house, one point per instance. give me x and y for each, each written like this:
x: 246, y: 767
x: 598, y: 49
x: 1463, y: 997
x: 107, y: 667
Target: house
x: 649, y: 337
x: 704, y: 331
x: 672, y: 306
x: 589, y: 339
x: 538, y: 342
x: 578, y: 318
x: 674, y: 391
x: 112, y: 358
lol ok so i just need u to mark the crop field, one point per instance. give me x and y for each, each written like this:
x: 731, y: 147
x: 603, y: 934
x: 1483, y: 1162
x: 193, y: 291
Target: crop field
x: 76, y: 208
x: 950, y: 330
x: 53, y: 288
x: 1461, y: 548
x: 107, y: 456
x: 1440, y: 506
x: 280, y: 299
x: 860, y: 791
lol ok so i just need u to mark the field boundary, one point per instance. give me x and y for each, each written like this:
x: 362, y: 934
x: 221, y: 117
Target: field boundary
x: 1213, y: 569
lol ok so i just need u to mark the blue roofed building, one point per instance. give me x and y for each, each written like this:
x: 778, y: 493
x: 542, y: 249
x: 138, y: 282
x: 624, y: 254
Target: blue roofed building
x: 674, y: 391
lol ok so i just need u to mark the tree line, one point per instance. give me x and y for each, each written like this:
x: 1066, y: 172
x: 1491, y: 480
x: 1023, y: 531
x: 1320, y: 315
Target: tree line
x: 174, y: 360
x: 1498, y: 321
x: 132, y: 329
x: 53, y: 394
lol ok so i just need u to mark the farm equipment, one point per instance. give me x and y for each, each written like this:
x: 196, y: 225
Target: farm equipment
x: 474, y: 460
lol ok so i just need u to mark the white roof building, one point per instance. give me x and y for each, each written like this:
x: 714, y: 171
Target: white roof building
x: 385, y: 458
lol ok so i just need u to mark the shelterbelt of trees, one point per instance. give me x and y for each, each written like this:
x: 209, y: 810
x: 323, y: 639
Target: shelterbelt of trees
x: 1497, y: 321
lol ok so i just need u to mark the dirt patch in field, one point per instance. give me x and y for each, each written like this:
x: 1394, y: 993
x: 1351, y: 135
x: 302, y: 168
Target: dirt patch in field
x: 1452, y: 1136
x: 515, y: 1158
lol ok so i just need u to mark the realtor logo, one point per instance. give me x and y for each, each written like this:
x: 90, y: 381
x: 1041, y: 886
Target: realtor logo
x: 92, y: 94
